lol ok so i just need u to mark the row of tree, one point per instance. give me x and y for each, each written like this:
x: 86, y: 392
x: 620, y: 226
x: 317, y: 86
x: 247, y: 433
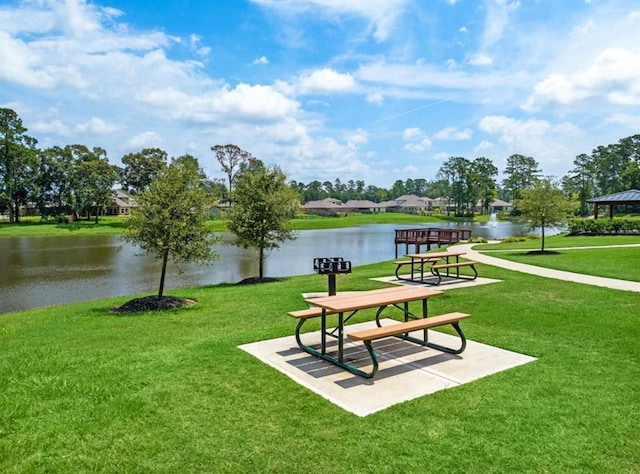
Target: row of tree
x: 74, y: 178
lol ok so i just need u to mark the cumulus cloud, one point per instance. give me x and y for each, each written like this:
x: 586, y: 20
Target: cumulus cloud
x: 480, y: 59
x: 261, y: 60
x: 244, y: 102
x: 145, y: 140
x: 97, y: 126
x: 544, y: 140
x: 375, y: 98
x: 416, y: 140
x: 326, y: 81
x: 54, y: 126
x: 452, y: 133
x: 613, y: 77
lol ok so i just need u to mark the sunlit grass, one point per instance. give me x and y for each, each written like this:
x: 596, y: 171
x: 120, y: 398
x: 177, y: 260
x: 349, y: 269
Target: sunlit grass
x: 113, y: 225
x: 85, y: 390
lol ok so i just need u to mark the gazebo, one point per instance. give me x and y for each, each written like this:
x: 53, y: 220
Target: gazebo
x: 625, y: 197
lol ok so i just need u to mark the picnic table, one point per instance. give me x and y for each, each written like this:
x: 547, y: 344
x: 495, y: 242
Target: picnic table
x: 345, y: 306
x: 428, y: 268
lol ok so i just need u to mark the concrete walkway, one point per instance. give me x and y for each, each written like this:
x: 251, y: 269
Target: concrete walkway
x: 613, y: 283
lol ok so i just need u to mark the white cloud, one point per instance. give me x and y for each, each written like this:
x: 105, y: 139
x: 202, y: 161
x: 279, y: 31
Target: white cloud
x: 497, y: 20
x: 261, y: 60
x: 483, y: 147
x: 145, y: 140
x: 480, y: 59
x: 547, y: 142
x: 97, y: 126
x: 323, y: 81
x: 382, y: 15
x: 55, y: 127
x: 452, y: 133
x: 416, y: 140
x: 375, y: 98
x: 244, y: 103
x: 357, y: 138
x: 613, y: 77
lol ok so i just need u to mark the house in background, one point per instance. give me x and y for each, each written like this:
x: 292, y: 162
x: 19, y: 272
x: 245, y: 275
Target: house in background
x: 325, y: 207
x: 361, y: 206
x: 499, y: 206
x: 409, y: 204
x: 121, y: 204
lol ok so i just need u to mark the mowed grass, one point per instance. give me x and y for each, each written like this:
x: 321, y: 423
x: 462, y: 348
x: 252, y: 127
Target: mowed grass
x: 85, y: 390
x: 35, y: 226
x: 616, y: 262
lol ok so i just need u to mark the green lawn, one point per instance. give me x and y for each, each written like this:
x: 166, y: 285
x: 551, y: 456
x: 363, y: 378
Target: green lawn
x: 84, y: 390
x: 604, y: 262
x: 34, y: 226
x: 562, y: 241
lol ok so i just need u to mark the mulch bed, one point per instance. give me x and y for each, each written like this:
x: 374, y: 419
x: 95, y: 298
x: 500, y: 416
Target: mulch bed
x: 152, y: 303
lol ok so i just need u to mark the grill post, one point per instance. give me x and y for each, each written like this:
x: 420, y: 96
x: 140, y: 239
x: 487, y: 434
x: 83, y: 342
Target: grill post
x: 330, y: 267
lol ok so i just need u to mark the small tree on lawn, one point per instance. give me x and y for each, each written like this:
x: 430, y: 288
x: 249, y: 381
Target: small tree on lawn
x: 545, y: 205
x: 263, y: 205
x: 170, y: 219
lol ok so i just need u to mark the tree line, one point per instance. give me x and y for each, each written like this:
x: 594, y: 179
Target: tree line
x: 75, y: 179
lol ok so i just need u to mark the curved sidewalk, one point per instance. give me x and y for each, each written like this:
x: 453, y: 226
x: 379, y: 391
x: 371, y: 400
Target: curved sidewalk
x: 613, y: 283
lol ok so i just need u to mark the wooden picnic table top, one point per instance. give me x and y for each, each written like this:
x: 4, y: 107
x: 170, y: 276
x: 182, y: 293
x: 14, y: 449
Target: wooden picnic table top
x: 372, y: 298
x: 426, y: 256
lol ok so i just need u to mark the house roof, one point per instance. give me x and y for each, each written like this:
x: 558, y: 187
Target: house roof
x: 328, y: 203
x: 361, y: 204
x: 122, y: 199
x: 624, y: 197
x: 415, y: 201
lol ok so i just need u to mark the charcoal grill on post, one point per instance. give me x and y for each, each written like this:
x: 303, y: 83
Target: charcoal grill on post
x: 331, y: 267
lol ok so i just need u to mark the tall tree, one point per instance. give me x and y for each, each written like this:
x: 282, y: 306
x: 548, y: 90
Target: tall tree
x: 521, y: 172
x: 629, y: 149
x: 18, y: 163
x: 484, y: 178
x: 263, y: 206
x: 610, y: 166
x: 231, y: 159
x: 544, y: 205
x: 581, y: 181
x: 94, y: 180
x: 170, y: 221
x: 141, y: 168
x: 457, y: 171
x: 55, y: 180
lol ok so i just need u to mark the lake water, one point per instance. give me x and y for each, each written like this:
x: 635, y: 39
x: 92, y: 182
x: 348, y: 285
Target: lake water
x: 42, y: 271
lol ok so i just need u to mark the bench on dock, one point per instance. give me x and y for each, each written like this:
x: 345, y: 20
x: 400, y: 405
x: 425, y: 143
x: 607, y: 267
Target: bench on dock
x: 402, y: 330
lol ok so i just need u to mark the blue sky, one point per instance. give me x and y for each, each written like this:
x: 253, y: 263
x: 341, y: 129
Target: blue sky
x: 377, y: 90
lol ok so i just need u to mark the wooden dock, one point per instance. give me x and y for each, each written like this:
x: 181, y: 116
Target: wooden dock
x: 428, y: 237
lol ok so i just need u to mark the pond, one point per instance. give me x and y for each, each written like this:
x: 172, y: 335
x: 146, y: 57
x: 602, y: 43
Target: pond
x: 42, y: 271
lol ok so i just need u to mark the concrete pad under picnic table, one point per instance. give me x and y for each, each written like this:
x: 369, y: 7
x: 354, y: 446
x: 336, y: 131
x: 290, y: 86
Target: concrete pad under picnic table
x: 406, y: 370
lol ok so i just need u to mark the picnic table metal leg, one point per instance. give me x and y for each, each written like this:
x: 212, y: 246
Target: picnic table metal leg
x: 339, y: 361
x: 340, y: 339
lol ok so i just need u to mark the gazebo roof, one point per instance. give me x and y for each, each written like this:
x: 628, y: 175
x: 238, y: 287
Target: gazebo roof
x: 624, y: 197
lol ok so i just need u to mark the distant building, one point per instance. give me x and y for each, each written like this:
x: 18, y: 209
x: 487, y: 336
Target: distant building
x: 363, y: 206
x: 409, y: 204
x: 325, y: 207
x: 121, y: 204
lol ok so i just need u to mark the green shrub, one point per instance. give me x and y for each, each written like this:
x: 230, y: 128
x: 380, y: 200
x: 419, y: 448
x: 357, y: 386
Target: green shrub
x: 603, y: 226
